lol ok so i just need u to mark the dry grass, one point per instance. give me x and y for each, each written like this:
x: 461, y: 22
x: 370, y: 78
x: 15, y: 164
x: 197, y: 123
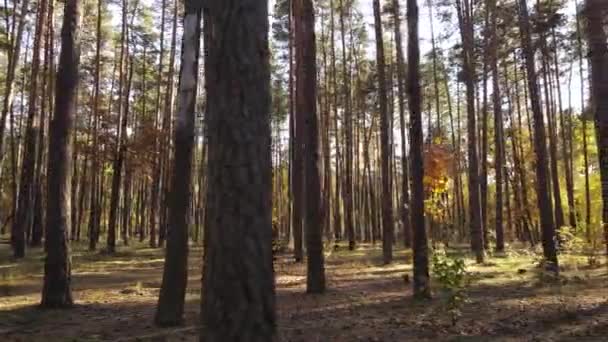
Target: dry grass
x: 507, y: 301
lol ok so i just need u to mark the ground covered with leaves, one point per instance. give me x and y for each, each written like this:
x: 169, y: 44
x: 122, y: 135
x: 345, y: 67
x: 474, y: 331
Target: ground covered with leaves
x: 506, y: 299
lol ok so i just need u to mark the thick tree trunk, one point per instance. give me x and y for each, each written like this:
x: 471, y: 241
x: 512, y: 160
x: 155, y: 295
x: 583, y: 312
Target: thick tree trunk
x: 238, y: 299
x: 56, y: 291
x: 595, y: 12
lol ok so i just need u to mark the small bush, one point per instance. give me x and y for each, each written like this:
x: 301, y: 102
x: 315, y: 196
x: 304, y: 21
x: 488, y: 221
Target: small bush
x: 451, y: 274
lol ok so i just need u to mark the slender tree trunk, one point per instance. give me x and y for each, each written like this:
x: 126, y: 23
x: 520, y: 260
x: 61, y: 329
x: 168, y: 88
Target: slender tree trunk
x: 475, y: 219
x: 404, y: 208
x: 120, y: 136
x: 422, y: 286
x: 544, y: 201
x: 25, y: 209
x: 388, y: 228
x: 498, y: 127
x: 175, y: 276
x: 13, y: 63
x: 306, y: 106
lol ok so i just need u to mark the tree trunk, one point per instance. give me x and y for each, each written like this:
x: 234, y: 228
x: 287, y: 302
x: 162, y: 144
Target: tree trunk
x: 306, y: 106
x: 238, y: 298
x: 405, y: 201
x: 120, y: 136
x: 542, y: 173
x: 422, y: 286
x: 475, y: 219
x: 25, y: 209
x: 388, y: 228
x: 56, y: 291
x: 596, y: 11
x: 498, y: 127
x: 170, y: 308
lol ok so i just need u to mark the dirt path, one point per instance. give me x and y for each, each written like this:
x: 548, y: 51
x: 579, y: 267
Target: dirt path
x: 116, y: 298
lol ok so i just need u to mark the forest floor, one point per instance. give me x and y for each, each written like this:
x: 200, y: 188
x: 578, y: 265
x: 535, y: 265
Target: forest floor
x: 506, y: 300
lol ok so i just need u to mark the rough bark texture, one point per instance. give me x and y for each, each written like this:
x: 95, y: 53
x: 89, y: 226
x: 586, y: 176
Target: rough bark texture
x: 175, y: 275
x: 56, y: 291
x: 238, y: 294
x: 422, y: 286
x: 595, y: 12
x: 542, y: 173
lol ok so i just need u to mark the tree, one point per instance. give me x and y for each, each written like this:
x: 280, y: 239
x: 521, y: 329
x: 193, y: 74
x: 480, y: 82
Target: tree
x: 238, y: 294
x: 57, y: 291
x: 544, y: 201
x: 498, y: 126
x: 595, y: 13
x: 422, y: 286
x: 175, y: 275
x: 306, y: 107
x: 119, y: 155
x: 475, y: 218
x: 25, y: 210
x: 388, y: 228
x: 405, y: 216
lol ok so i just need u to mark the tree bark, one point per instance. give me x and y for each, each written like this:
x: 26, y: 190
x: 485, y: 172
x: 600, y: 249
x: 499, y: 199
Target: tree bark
x: 238, y: 300
x: 306, y: 106
x: 422, y: 286
x: 596, y: 36
x: 170, y: 308
x: 542, y: 173
x: 56, y: 291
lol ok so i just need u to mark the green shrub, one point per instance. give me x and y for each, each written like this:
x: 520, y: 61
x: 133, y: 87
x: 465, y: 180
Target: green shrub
x: 452, y: 276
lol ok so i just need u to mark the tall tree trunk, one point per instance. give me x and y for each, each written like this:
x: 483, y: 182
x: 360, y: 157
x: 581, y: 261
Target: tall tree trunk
x: 25, y: 209
x: 297, y: 169
x: 170, y: 308
x: 579, y: 31
x: 306, y: 106
x: 388, y: 228
x: 13, y: 62
x: 544, y: 201
x: 498, y: 127
x: 596, y: 11
x: 56, y: 291
x: 120, y: 136
x: 475, y: 219
x: 422, y: 286
x: 166, y: 129
x: 404, y: 207
x: 348, y: 130
x: 238, y: 278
